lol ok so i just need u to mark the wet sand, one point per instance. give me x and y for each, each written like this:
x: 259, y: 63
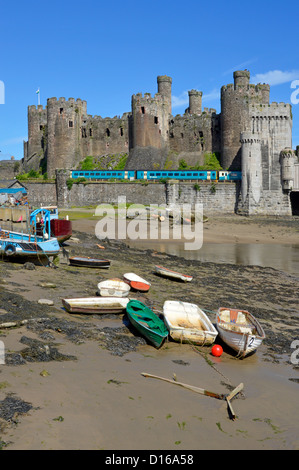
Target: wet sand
x: 94, y: 396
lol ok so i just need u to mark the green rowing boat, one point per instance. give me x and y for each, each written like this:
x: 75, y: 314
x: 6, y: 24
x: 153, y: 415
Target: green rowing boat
x: 146, y: 322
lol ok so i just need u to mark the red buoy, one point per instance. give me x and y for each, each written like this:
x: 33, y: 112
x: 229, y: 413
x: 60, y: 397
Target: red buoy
x: 217, y: 350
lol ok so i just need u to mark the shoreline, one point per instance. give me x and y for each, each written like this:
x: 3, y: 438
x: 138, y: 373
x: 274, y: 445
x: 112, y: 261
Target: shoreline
x: 81, y: 375
x: 229, y: 229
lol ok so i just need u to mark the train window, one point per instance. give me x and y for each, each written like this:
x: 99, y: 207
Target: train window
x: 158, y: 174
x: 97, y: 174
x: 176, y: 174
x: 194, y: 174
x: 189, y: 174
x: 81, y: 174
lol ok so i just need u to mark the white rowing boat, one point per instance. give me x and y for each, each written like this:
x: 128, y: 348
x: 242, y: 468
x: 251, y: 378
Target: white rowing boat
x: 187, y: 323
x: 240, y: 330
x: 165, y: 272
x: 95, y: 305
x: 136, y: 282
x: 113, y: 288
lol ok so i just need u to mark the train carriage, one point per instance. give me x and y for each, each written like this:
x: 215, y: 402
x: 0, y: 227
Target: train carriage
x: 230, y: 175
x: 104, y: 175
x: 178, y: 174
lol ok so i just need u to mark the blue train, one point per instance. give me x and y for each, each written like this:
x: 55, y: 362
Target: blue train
x: 205, y: 175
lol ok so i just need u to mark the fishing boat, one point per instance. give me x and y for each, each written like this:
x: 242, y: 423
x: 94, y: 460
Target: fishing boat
x: 23, y: 246
x: 113, y: 288
x: 136, y: 282
x: 95, y: 305
x: 147, y: 322
x: 240, y: 330
x: 165, y: 272
x: 87, y: 262
x: 60, y: 228
x: 187, y: 323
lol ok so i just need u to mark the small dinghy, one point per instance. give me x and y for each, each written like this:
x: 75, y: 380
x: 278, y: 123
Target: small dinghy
x: 240, y: 330
x: 147, y: 322
x: 80, y: 261
x: 136, y: 282
x: 187, y: 323
x: 113, y: 288
x: 165, y: 272
x: 95, y: 305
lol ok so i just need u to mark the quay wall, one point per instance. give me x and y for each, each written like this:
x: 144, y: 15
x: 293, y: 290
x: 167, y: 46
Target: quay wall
x: 216, y: 197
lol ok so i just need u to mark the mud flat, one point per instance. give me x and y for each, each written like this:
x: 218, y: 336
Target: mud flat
x: 74, y: 381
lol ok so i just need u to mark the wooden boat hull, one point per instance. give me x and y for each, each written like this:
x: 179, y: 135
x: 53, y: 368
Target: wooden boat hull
x: 165, y: 272
x: 61, y: 229
x: 240, y: 330
x: 136, y: 282
x: 89, y: 262
x: 187, y: 323
x: 95, y: 305
x: 147, y: 323
x: 113, y: 288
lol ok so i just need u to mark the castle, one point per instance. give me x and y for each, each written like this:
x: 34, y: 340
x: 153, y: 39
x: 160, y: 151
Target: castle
x: 249, y: 134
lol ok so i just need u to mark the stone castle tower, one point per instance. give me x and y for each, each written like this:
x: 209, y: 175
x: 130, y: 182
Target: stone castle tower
x: 249, y: 134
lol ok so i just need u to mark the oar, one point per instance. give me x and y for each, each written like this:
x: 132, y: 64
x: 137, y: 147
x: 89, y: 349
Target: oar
x: 202, y: 391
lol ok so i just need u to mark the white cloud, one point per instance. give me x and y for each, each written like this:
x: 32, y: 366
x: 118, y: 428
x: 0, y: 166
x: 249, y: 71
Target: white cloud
x: 240, y: 66
x: 181, y: 100
x: 275, y: 77
x: 12, y: 141
x: 212, y: 96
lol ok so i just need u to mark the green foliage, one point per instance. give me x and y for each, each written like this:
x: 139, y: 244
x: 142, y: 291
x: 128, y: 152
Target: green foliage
x: 88, y: 164
x: 183, y: 164
x: 211, y: 162
x: 71, y: 181
x: 122, y: 162
x: 33, y: 174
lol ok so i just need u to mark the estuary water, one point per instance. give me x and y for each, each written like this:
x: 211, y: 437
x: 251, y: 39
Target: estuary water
x: 278, y: 256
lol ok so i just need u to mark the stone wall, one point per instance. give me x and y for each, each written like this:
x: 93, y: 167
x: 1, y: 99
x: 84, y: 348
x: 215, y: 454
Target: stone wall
x: 8, y: 169
x: 217, y: 198
x: 41, y: 193
x: 91, y: 194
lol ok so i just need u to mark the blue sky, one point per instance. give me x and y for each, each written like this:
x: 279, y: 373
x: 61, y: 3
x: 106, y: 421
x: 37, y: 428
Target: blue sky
x: 104, y: 52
